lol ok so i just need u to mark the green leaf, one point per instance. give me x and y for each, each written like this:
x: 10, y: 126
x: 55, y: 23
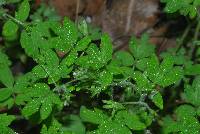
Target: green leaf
x: 6, y: 76
x: 10, y: 28
x: 111, y: 127
x: 164, y: 74
x: 6, y: 120
x: 153, y: 70
x: 23, y: 11
x: 157, y: 100
x: 185, y: 8
x: 8, y: 103
x: 27, y: 43
x: 192, y: 70
x: 124, y: 58
x: 31, y: 108
x: 173, y: 6
x: 142, y: 64
x: 74, y: 123
x: 106, y: 48
x: 5, y: 93
x: 38, y: 97
x: 167, y: 64
x: 83, y: 43
x: 184, y: 111
x: 105, y: 78
x: 54, y: 127
x: 69, y: 59
x: 97, y: 116
x: 96, y: 58
x: 68, y: 33
x: 142, y: 82
x: 46, y: 108
x: 141, y: 48
x: 192, y: 93
x: 177, y: 74
x: 130, y: 119
x: 4, y: 60
x: 187, y: 123
x: 39, y: 72
x: 6, y: 130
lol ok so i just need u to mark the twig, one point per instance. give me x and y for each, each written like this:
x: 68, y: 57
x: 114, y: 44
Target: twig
x: 183, y: 37
x: 14, y: 19
x: 129, y: 15
x: 196, y: 35
x: 139, y: 103
x: 77, y: 10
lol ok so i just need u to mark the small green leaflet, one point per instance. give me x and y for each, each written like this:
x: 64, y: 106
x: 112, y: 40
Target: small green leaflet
x: 6, y: 76
x: 124, y: 58
x: 192, y: 69
x: 96, y: 58
x: 157, y: 99
x: 40, y: 98
x: 54, y: 127
x: 46, y: 108
x: 4, y: 60
x: 10, y: 29
x: 111, y: 127
x: 5, y: 93
x: 185, y: 7
x: 23, y: 11
x: 192, y: 93
x: 141, y: 48
x: 130, y: 119
x: 97, y: 116
x: 118, y: 125
x: 83, y: 43
x: 32, y: 107
x: 186, y: 122
x: 142, y: 81
x: 105, y: 78
x: 5, y: 121
x: 164, y: 74
x: 74, y: 123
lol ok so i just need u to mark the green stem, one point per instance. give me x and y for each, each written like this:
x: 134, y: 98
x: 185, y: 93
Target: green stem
x: 14, y: 19
x: 196, y: 35
x: 139, y: 103
x: 183, y: 37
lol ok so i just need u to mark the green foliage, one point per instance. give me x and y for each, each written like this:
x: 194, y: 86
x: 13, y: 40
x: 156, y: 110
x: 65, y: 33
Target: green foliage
x: 185, y: 7
x: 78, y: 84
x: 121, y: 123
x: 5, y: 121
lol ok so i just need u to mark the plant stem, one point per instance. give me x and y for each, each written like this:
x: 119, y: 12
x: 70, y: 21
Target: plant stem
x: 14, y: 19
x: 183, y: 37
x: 196, y: 35
x: 139, y: 103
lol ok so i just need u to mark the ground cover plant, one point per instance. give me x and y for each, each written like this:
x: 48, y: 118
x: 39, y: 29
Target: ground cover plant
x: 77, y: 84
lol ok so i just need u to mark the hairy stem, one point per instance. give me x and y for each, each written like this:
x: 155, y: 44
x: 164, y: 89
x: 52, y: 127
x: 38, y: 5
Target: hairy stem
x: 139, y: 103
x: 14, y: 19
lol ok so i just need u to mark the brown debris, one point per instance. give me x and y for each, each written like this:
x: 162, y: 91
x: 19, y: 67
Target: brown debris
x: 121, y: 19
